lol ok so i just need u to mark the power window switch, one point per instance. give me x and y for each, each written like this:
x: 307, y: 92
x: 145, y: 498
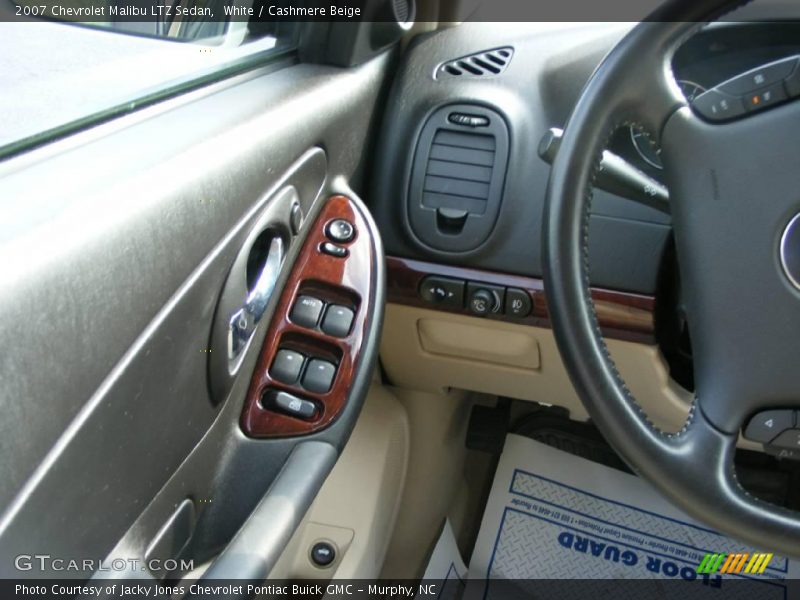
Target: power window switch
x: 294, y: 406
x: 319, y: 376
x: 337, y: 320
x: 286, y: 366
x: 306, y: 311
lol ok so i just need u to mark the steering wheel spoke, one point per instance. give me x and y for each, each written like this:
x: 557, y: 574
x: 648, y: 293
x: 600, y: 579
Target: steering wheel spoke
x: 730, y: 210
x: 734, y: 191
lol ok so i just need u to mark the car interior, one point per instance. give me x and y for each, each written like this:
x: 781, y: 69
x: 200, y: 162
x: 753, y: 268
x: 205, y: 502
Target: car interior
x: 277, y: 324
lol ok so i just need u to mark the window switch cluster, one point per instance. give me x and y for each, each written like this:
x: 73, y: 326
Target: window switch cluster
x: 337, y: 321
x: 481, y: 299
x: 317, y: 376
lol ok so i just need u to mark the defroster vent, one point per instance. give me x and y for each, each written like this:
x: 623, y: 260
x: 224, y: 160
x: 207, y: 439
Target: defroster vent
x: 480, y: 64
x: 457, y: 177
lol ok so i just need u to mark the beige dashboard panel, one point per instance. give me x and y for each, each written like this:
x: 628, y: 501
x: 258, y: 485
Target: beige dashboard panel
x: 431, y: 351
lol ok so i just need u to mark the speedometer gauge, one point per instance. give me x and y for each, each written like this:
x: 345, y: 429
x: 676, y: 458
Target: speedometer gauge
x: 649, y: 152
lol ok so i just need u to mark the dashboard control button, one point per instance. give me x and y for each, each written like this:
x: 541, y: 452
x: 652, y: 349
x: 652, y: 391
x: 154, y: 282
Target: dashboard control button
x: 340, y: 231
x: 718, y: 106
x: 286, y: 366
x: 765, y: 98
x: 319, y: 376
x: 767, y: 425
x: 306, y: 311
x: 759, y: 77
x: 443, y: 291
x: 323, y: 554
x: 337, y: 320
x: 789, y: 439
x: 518, y: 303
x: 333, y: 250
x: 292, y: 405
x: 484, y: 299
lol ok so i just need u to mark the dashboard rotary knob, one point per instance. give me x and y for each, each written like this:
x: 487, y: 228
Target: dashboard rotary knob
x: 483, y: 301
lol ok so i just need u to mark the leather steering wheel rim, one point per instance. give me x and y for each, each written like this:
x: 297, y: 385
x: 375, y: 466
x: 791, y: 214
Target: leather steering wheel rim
x: 693, y: 468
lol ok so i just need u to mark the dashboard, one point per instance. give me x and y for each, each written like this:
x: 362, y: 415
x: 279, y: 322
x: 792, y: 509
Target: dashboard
x: 716, y: 54
x: 458, y: 180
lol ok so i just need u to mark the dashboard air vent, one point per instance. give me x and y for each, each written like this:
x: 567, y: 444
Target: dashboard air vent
x: 457, y: 177
x: 459, y: 171
x: 487, y: 62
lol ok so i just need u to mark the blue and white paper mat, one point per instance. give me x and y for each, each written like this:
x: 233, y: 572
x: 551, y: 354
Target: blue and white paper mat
x: 554, y: 516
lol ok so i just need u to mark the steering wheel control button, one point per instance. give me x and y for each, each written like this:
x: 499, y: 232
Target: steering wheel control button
x: 715, y: 105
x: 443, y: 291
x: 323, y: 554
x: 484, y: 299
x: 337, y: 321
x: 518, y: 303
x: 792, y: 82
x: 306, y: 311
x: 333, y: 250
x: 340, y: 231
x: 790, y: 251
x: 765, y: 98
x: 294, y: 406
x: 319, y: 376
x: 760, y: 77
x: 286, y: 366
x: 788, y: 440
x: 767, y: 425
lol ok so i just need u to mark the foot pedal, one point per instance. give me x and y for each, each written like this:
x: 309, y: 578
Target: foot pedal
x: 551, y: 425
x: 488, y: 427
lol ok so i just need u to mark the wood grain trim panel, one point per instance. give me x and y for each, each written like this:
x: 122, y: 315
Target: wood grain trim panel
x: 344, y: 280
x: 622, y: 315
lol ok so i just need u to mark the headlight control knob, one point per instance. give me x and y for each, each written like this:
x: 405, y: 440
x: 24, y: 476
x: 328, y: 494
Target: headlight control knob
x: 483, y: 301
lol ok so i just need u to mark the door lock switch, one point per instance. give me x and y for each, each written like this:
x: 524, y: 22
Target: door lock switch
x: 292, y: 405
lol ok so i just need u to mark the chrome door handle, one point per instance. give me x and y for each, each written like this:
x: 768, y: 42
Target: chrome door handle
x: 243, y: 322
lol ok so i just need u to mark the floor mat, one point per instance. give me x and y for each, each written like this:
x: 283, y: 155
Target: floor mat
x: 555, y: 516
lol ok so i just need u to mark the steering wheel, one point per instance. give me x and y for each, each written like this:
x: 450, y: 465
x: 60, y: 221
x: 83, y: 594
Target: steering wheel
x: 734, y: 187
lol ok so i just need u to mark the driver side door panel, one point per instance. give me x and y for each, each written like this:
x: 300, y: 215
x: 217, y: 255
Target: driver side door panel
x: 130, y: 231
